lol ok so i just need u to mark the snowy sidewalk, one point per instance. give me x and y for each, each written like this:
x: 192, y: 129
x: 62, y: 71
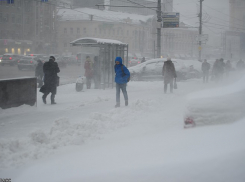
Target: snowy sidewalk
x: 86, y: 132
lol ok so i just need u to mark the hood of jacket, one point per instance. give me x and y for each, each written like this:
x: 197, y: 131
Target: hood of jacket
x: 118, y: 59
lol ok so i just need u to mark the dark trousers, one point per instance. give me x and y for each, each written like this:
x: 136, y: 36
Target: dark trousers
x: 50, y: 89
x: 171, y: 83
x: 205, y: 76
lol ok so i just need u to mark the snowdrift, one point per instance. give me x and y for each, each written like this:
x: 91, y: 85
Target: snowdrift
x: 217, y: 106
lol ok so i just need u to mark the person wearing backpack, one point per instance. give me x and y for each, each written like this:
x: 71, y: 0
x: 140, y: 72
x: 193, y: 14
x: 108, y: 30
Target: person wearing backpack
x: 121, y: 78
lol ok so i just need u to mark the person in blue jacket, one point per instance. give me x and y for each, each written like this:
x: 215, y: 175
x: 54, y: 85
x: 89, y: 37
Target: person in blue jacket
x: 121, y: 78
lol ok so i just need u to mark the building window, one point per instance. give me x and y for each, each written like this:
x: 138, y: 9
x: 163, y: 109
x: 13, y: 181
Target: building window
x: 13, y: 18
x: 117, y: 31
x: 13, y: 35
x: 78, y: 30
x: 84, y: 30
x: 7, y: 33
x: 243, y: 20
x: 100, y: 31
x: 6, y: 18
x: 27, y: 20
x: 95, y: 31
x: 65, y: 30
x: 71, y: 30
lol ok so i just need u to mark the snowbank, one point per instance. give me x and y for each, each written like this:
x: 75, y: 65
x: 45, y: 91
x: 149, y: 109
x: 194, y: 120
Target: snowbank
x: 39, y: 143
x: 216, y: 106
x: 81, y: 139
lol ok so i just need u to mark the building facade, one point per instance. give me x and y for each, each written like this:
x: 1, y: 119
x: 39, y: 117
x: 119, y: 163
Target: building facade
x: 135, y: 30
x: 27, y: 26
x: 179, y: 42
x: 87, y: 3
x: 234, y: 39
x: 237, y: 15
x: 166, y: 6
x: 138, y: 31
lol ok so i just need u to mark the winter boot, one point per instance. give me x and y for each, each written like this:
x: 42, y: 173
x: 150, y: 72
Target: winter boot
x: 126, y: 102
x: 44, y: 99
x: 117, y: 105
x: 52, y: 99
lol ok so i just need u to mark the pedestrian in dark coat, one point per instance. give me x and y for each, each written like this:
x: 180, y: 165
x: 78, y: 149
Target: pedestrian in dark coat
x: 50, y: 70
x: 88, y: 66
x: 215, y: 70
x: 121, y: 79
x: 221, y: 68
x: 143, y: 60
x: 205, y: 70
x: 228, y: 67
x: 218, y: 69
x: 39, y: 73
x: 240, y: 65
x: 169, y: 73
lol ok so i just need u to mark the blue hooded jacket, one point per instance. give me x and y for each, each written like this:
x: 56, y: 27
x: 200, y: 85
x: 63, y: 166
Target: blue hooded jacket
x: 121, y: 77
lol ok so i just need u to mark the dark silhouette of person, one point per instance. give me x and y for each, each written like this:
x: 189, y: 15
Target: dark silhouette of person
x: 205, y: 70
x: 50, y: 70
x: 169, y: 73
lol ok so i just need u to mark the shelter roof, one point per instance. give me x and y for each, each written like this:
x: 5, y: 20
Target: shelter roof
x: 91, y: 41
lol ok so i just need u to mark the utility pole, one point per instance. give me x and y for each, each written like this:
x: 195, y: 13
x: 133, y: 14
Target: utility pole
x: 159, y: 27
x: 159, y: 20
x: 200, y: 32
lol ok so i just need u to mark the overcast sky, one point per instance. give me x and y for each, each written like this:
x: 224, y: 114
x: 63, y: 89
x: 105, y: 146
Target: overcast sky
x: 215, y: 14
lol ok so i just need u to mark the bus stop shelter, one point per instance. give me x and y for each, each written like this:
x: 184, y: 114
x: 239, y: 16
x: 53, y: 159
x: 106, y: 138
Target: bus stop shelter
x: 108, y: 50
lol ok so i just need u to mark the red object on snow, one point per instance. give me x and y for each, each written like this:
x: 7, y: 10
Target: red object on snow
x: 189, y: 122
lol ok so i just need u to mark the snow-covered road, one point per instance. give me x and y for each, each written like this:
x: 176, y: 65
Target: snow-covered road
x: 84, y: 138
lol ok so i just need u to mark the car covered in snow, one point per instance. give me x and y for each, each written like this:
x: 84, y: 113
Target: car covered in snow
x: 152, y: 69
x: 27, y: 62
x: 133, y: 62
x: 216, y: 106
x: 10, y: 59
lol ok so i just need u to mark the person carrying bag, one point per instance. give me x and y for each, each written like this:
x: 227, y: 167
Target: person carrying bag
x: 169, y: 73
x: 51, y: 79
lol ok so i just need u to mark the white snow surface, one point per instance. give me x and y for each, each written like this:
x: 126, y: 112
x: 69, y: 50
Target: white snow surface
x: 84, y: 138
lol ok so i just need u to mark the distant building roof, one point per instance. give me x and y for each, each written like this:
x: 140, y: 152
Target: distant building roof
x: 101, y: 15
